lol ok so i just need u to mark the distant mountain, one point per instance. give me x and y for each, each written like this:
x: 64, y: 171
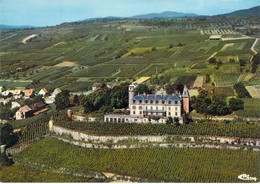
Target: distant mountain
x: 166, y: 14
x: 255, y: 11
x: 2, y: 26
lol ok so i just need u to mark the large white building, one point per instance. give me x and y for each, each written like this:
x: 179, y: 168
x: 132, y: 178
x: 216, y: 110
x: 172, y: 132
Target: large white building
x: 143, y: 106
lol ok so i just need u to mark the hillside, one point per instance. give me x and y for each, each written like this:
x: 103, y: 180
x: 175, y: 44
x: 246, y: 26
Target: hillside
x: 75, y: 55
x: 165, y: 14
x: 255, y: 11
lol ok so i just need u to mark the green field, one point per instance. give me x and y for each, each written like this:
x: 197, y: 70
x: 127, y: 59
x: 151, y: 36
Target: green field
x: 252, y: 107
x: 166, y: 164
x: 20, y: 173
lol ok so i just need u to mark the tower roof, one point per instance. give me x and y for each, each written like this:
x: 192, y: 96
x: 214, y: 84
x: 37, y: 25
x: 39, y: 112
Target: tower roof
x: 185, y: 93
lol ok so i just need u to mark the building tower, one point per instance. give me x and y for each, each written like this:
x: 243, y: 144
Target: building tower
x: 131, y: 91
x: 186, y: 100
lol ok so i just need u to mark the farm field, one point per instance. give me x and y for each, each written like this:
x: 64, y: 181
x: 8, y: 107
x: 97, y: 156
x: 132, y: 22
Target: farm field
x: 234, y: 129
x: 119, y: 49
x: 20, y: 173
x: 166, y: 164
x: 251, y: 109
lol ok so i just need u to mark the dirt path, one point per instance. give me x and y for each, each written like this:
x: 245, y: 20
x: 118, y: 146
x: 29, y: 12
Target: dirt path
x: 8, y: 37
x: 253, y: 46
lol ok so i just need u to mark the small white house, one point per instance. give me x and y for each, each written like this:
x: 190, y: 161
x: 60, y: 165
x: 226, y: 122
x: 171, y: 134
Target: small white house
x: 15, y: 104
x: 43, y: 92
x: 55, y: 92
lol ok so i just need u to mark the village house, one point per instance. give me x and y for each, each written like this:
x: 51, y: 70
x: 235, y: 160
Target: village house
x: 143, y: 107
x: 31, y: 110
x: 215, y: 37
x: 29, y: 93
x: 23, y: 112
x: 15, y: 104
x: 55, y: 93
x: 95, y: 86
x: 17, y: 94
x: 43, y: 92
x: 5, y: 101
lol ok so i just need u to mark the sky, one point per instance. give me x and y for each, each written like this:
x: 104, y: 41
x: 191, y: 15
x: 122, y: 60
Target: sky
x: 54, y: 12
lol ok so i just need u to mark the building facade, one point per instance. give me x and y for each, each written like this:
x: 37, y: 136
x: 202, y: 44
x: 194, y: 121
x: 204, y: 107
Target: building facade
x: 142, y: 108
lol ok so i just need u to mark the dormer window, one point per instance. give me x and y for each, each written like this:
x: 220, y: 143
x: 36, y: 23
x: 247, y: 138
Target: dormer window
x: 151, y: 101
x: 176, y: 102
x: 163, y: 101
x: 156, y: 101
x: 146, y: 101
x: 134, y: 107
x: 133, y: 101
x: 170, y: 101
x: 140, y: 101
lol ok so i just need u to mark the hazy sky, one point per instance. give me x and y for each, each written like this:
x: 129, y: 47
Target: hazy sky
x: 53, y: 12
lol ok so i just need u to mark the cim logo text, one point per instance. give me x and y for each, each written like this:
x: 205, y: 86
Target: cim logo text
x: 246, y: 177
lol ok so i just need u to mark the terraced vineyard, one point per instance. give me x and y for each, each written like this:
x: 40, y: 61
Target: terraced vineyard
x: 119, y: 49
x: 159, y: 164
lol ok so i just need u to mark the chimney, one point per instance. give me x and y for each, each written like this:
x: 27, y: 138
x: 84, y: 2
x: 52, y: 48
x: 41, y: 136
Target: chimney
x: 69, y: 113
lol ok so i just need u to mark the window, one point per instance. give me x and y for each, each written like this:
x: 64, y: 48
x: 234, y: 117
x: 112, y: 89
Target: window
x: 151, y: 108
x: 111, y: 119
x: 156, y: 113
x: 140, y: 107
x: 163, y: 101
x: 176, y: 108
x: 133, y: 101
x: 163, y: 108
x: 151, y: 101
x: 134, y: 107
x: 170, y: 102
x: 140, y: 113
x: 106, y: 119
x: 156, y: 108
x: 169, y: 113
x: 169, y: 108
x: 176, y: 102
x: 135, y: 119
x: 176, y: 114
x: 140, y: 101
x: 156, y: 101
x: 133, y: 112
x: 146, y: 101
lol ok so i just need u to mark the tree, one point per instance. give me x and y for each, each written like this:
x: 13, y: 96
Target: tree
x: 208, y: 78
x: 76, y: 100
x: 212, y: 60
x: 142, y: 88
x: 7, y: 136
x: 176, y: 121
x: 170, y: 89
x: 62, y: 100
x: 169, y: 120
x: 186, y: 118
x: 5, y: 112
x: 154, y: 49
x: 236, y: 104
x: 242, y: 62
